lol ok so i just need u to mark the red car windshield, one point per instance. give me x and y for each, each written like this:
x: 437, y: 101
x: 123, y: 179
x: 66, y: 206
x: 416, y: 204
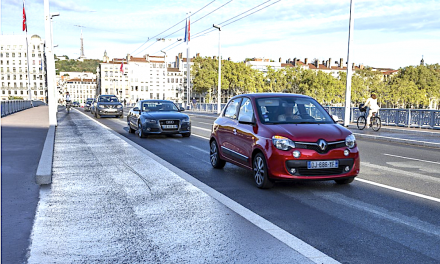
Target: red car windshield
x: 291, y: 110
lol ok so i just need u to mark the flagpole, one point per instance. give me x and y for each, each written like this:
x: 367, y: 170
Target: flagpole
x: 27, y: 50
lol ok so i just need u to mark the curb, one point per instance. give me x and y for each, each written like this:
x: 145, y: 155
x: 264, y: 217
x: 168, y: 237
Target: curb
x: 44, y: 170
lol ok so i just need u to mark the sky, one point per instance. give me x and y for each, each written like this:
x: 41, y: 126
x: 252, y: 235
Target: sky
x: 386, y: 34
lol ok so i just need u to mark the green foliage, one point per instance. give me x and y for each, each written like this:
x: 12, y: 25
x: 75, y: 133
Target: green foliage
x: 411, y: 87
x: 76, y: 66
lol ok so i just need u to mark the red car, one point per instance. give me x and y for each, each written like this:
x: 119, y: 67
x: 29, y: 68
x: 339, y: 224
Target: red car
x: 283, y: 137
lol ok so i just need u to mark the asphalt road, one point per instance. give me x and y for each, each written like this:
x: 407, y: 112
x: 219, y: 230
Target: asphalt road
x: 389, y: 214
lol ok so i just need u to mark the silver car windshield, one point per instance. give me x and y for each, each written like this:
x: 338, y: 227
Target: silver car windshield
x: 292, y: 110
x: 159, y: 107
x: 108, y: 99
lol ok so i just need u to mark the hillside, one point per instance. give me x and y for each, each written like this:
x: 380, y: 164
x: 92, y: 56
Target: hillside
x: 76, y: 66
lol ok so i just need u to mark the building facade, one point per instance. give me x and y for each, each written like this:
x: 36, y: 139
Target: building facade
x: 14, y: 67
x: 139, y: 78
x: 80, y: 85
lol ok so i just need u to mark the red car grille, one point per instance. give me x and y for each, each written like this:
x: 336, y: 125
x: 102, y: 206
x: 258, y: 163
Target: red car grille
x: 315, y: 147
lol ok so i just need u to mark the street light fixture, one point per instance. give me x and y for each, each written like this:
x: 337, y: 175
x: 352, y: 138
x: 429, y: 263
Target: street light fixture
x: 164, y: 58
x: 219, y: 69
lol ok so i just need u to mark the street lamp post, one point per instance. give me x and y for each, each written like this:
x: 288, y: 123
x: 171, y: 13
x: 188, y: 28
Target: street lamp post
x: 219, y: 70
x: 164, y: 58
x: 50, y: 64
x: 349, y: 69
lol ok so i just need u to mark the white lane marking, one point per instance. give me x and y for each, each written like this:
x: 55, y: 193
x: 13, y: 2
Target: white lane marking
x: 205, y: 123
x: 175, y: 140
x: 428, y: 161
x: 199, y: 149
x: 400, y: 140
x: 402, y: 172
x: 395, y: 217
x: 399, y: 190
x: 202, y: 115
x: 201, y: 137
x: 201, y: 128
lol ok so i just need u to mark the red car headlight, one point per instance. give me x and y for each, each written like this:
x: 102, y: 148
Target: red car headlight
x: 282, y: 143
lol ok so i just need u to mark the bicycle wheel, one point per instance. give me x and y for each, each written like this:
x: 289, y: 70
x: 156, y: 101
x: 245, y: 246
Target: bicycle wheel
x: 376, y: 123
x: 361, y: 122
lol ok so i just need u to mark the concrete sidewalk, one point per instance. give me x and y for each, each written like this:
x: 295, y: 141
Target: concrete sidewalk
x: 112, y: 201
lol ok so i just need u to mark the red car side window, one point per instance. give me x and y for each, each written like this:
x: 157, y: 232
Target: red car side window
x: 231, y: 109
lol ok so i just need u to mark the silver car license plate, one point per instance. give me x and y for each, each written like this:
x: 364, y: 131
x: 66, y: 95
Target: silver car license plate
x: 323, y: 164
x: 169, y: 126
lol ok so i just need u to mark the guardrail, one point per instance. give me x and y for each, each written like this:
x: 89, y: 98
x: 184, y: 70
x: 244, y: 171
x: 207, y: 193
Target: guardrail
x: 13, y: 106
x: 417, y: 118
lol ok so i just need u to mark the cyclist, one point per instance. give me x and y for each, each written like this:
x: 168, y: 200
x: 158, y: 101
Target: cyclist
x: 371, y: 107
x: 68, y: 101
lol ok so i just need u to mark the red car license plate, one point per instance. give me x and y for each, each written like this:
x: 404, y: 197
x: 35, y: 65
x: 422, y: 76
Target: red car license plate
x: 323, y: 164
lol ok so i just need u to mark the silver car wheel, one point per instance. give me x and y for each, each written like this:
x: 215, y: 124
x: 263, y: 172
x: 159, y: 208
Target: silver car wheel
x: 140, y: 133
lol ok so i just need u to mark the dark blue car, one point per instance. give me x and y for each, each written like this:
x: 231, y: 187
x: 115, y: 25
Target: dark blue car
x: 158, y: 117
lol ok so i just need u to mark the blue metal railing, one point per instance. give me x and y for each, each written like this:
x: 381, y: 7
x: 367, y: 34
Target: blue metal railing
x: 13, y: 106
x: 418, y: 118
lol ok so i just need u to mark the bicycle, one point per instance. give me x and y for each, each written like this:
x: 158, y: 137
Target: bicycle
x: 375, y: 122
x: 68, y: 106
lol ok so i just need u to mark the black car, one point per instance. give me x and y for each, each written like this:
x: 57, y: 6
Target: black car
x: 158, y: 117
x: 88, y: 104
x: 108, y: 105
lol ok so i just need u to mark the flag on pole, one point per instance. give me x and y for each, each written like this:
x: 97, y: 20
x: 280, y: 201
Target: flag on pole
x: 122, y: 68
x: 24, y: 19
x: 187, y: 31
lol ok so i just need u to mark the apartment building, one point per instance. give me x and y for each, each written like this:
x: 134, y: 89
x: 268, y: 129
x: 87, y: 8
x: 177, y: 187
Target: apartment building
x: 139, y: 78
x: 79, y: 85
x: 14, y: 68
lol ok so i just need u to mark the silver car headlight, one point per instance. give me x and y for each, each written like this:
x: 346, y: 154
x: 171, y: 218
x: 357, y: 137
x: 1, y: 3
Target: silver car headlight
x: 151, y: 121
x: 350, y: 141
x: 282, y: 143
x: 119, y: 106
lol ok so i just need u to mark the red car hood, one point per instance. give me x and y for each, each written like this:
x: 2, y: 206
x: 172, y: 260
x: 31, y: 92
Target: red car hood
x: 310, y: 132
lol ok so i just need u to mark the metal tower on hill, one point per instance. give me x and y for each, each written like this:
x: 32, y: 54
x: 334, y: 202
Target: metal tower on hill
x: 82, y: 44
